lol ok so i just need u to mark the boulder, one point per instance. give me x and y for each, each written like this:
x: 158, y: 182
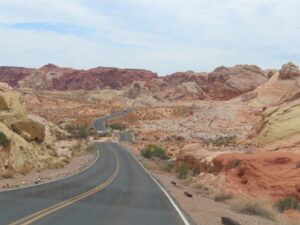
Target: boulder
x: 30, y: 130
x: 288, y: 71
x: 12, y: 101
x: 229, y: 221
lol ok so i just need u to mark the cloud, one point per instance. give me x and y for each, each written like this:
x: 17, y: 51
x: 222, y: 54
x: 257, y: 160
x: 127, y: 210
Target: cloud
x: 160, y: 35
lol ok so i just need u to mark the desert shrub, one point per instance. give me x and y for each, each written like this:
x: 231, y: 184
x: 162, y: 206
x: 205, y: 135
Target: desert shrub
x: 154, y: 151
x: 91, y: 148
x: 196, y: 171
x: 77, y: 146
x: 147, y: 153
x: 256, y: 207
x: 220, y: 197
x: 117, y: 126
x: 287, y: 203
x: 4, y: 141
x: 159, y: 152
x: 169, y: 167
x: 182, y: 171
x: 81, y: 131
x: 104, y: 134
x: 298, y: 165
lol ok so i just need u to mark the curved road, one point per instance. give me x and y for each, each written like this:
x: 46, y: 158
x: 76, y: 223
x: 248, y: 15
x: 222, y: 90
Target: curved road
x: 115, y: 190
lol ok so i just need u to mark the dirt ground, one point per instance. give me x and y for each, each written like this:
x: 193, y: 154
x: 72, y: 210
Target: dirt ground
x: 76, y: 164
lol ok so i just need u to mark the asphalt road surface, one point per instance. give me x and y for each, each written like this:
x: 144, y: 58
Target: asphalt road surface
x: 115, y: 190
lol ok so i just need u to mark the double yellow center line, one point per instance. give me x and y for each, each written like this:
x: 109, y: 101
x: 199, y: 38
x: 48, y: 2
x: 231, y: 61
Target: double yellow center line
x: 40, y: 214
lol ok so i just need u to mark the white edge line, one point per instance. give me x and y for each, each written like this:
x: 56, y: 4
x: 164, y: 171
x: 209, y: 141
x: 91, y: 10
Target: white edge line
x: 51, y: 181
x: 181, y: 214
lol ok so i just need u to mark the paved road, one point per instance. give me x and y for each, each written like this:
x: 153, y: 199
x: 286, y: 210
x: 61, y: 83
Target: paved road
x: 99, y: 124
x: 115, y: 190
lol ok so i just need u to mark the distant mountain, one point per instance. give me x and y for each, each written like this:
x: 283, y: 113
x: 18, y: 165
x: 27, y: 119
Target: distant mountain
x: 221, y: 84
x: 52, y: 77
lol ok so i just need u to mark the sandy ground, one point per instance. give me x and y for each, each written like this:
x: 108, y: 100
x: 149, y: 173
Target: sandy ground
x: 76, y: 164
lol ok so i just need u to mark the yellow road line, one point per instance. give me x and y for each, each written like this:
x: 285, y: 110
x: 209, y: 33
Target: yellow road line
x: 40, y: 214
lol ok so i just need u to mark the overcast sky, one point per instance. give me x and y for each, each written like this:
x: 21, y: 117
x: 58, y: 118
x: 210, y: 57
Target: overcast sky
x: 164, y: 36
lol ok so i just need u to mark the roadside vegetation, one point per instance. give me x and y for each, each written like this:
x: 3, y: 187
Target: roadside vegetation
x: 117, y: 126
x: 255, y: 207
x: 286, y: 204
x: 151, y: 151
x: 221, y: 197
x: 83, y: 132
x: 182, y: 171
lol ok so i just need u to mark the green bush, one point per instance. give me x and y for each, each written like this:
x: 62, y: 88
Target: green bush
x: 182, y: 171
x: 287, y: 203
x: 154, y: 151
x: 147, y: 153
x: 81, y: 131
x: 104, y: 134
x: 4, y: 141
x: 117, y: 126
x: 159, y: 152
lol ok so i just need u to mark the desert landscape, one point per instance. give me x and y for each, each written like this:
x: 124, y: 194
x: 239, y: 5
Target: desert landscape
x: 224, y: 143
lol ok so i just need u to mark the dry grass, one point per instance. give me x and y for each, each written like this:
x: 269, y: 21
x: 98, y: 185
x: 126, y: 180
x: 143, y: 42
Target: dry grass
x: 256, y: 207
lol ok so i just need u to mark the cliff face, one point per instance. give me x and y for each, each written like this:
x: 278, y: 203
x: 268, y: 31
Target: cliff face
x: 51, y: 77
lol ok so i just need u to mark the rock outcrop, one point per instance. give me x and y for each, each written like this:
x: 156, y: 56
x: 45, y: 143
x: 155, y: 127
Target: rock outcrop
x: 288, y: 71
x: 27, y: 148
x: 223, y: 83
x: 228, y: 82
x: 12, y: 75
x: 280, y: 123
x: 30, y: 130
x: 274, y: 174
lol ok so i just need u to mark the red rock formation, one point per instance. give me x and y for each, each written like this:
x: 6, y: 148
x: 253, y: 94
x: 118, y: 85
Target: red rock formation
x: 276, y: 174
x: 288, y: 71
x: 52, y: 77
x: 221, y: 84
x: 11, y: 75
x: 228, y: 82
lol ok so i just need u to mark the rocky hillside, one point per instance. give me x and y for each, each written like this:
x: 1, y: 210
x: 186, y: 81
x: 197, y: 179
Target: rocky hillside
x: 222, y: 84
x: 23, y: 143
x: 52, y: 77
